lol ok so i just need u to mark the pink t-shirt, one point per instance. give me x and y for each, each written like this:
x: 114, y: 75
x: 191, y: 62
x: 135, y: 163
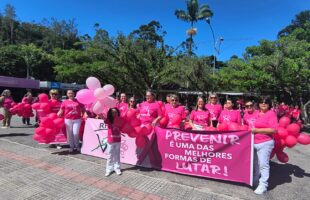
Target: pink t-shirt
x: 7, y: 102
x: 149, y: 111
x: 171, y: 112
x: 72, y: 109
x: 228, y: 116
x: 123, y: 107
x: 214, y: 109
x: 114, y: 133
x: 265, y: 120
x: 55, y: 105
x: 200, y: 117
x: 250, y: 118
x: 167, y: 106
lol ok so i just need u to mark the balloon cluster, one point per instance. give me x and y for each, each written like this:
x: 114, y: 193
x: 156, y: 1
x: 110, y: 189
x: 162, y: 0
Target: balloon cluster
x: 95, y: 97
x: 49, y: 127
x: 22, y: 110
x: 44, y: 104
x: 131, y: 125
x: 288, y: 135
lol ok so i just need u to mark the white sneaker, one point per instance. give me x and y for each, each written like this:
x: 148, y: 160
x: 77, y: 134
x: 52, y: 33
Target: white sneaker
x: 118, y: 172
x: 59, y: 147
x: 107, y: 174
x: 260, y: 189
x: 4, y: 127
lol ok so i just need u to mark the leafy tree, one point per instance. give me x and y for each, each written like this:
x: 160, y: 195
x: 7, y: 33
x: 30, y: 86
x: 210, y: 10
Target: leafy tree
x: 194, y: 13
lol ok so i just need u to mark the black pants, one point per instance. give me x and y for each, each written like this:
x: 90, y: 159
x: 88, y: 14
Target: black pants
x: 26, y: 120
x: 214, y: 123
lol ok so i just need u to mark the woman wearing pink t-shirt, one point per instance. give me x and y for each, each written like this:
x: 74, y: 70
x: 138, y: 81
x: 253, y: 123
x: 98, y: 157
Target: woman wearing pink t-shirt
x: 214, y: 108
x: 123, y: 105
x: 6, y: 102
x: 175, y: 111
x: 72, y: 111
x: 199, y: 117
x: 229, y: 115
x: 250, y: 114
x: 150, y: 111
x: 265, y: 126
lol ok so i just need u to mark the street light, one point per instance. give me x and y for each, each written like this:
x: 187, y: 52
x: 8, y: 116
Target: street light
x: 216, y: 44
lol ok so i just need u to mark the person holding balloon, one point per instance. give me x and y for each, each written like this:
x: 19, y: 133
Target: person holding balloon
x: 229, y: 115
x: 200, y: 117
x: 214, y: 108
x: 175, y: 113
x: 265, y: 126
x: 72, y: 111
x: 114, y: 143
x: 6, y: 101
x: 27, y: 112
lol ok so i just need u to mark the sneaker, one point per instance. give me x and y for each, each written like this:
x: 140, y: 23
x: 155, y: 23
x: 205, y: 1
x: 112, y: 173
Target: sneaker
x: 260, y: 189
x: 118, y: 172
x: 59, y: 147
x: 4, y: 127
x: 107, y: 174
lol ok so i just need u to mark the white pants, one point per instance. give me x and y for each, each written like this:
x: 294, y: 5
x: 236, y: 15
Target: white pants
x: 113, y: 160
x: 73, y: 131
x: 261, y: 162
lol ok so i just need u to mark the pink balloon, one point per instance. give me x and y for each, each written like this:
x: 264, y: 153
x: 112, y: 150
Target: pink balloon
x: 140, y: 141
x: 43, y: 98
x: 233, y: 126
x: 100, y: 93
x: 47, y: 122
x: 127, y: 128
x: 149, y: 129
x: 284, y: 122
x: 1, y: 117
x: 223, y: 127
x: 98, y: 108
x: 293, y: 129
x: 163, y: 121
x: 39, y: 130
x: 109, y: 102
x: 131, y: 114
x: 282, y: 132
x: 244, y: 127
x: 52, y: 116
x: 59, y: 122
x: 109, y: 89
x: 290, y: 141
x: 92, y: 83
x: 45, y: 107
x: 135, y: 122
x: 85, y: 96
x: 36, y: 106
x: 282, y: 157
x: 303, y: 139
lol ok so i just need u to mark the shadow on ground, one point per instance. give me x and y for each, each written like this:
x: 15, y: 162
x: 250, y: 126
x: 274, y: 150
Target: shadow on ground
x: 282, y: 173
x: 14, y: 134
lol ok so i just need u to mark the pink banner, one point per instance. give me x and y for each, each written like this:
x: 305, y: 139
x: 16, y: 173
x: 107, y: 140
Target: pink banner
x: 218, y: 155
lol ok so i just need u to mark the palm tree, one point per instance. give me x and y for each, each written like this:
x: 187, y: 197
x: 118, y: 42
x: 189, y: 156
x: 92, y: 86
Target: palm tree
x: 194, y: 13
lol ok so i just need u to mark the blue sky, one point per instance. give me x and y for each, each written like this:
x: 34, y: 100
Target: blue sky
x: 242, y: 23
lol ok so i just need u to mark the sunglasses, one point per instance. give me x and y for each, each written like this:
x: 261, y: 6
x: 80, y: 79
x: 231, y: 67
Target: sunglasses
x: 249, y: 106
x: 174, y: 100
x: 212, y: 97
x: 54, y: 94
x: 132, y: 101
x: 263, y: 102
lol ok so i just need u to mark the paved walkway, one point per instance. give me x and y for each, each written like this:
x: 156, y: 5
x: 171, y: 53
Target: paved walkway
x: 32, y: 171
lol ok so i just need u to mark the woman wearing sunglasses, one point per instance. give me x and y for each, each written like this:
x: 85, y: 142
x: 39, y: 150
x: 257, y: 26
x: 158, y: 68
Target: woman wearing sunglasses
x: 250, y: 114
x: 123, y: 105
x: 214, y: 108
x: 132, y: 103
x: 265, y: 126
x: 176, y: 112
x: 199, y: 117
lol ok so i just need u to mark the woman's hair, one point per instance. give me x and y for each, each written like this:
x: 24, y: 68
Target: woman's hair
x: 4, y: 93
x: 174, y: 96
x: 110, y: 116
x: 52, y: 91
x: 266, y: 100
x: 203, y: 99
x: 27, y: 94
x: 152, y: 93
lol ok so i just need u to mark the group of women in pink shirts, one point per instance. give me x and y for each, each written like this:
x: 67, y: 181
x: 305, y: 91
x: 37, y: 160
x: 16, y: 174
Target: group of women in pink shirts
x: 262, y: 122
